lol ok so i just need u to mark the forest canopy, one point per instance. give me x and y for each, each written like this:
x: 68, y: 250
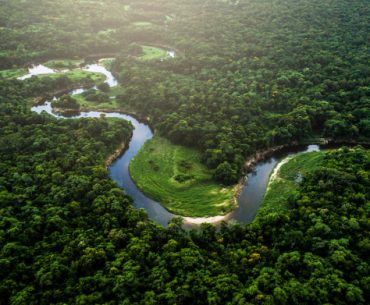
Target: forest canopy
x: 248, y: 75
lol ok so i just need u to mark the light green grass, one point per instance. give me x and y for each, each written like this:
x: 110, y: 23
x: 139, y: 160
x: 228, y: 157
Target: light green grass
x: 12, y: 73
x: 286, y: 183
x: 150, y: 53
x: 77, y: 75
x: 142, y: 24
x: 63, y: 64
x: 109, y: 104
x: 156, y: 170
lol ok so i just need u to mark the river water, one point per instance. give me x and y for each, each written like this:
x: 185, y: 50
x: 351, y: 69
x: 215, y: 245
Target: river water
x: 252, y: 193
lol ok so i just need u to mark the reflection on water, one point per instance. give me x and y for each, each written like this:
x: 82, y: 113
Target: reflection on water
x: 36, y: 70
x: 253, y: 192
x: 41, y: 69
x: 111, y: 80
x: 171, y: 54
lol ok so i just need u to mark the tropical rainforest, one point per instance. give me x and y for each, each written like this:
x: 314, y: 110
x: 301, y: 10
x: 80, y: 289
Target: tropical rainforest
x: 248, y: 76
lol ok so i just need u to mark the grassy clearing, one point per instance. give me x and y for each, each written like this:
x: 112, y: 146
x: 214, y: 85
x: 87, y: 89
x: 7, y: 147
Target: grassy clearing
x: 12, y: 73
x: 109, y: 104
x: 63, y: 64
x: 173, y: 175
x: 77, y: 75
x: 287, y: 181
x: 150, y: 53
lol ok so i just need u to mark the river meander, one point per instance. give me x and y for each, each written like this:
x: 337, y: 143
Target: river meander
x: 250, y: 197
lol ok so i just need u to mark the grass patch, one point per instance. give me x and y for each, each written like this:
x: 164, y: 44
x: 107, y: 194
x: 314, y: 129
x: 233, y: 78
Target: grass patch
x: 77, y: 75
x: 150, y: 53
x: 12, y: 73
x: 109, y: 104
x: 63, y: 64
x: 174, y: 175
x: 287, y: 181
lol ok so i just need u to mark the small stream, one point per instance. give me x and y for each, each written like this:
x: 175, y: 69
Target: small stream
x: 252, y: 193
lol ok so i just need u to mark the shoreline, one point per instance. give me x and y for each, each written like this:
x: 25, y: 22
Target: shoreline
x: 120, y: 150
x: 209, y: 220
x: 275, y: 171
x: 251, y: 162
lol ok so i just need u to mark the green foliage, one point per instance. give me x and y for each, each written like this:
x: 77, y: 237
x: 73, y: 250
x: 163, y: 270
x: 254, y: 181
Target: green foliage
x: 150, y: 53
x: 95, y: 96
x: 66, y: 102
x: 69, y: 235
x: 103, y: 87
x: 254, y: 74
x: 64, y: 64
x: 226, y: 173
x: 285, y: 184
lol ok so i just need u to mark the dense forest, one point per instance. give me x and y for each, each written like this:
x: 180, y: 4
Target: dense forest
x: 248, y: 75
x: 255, y: 73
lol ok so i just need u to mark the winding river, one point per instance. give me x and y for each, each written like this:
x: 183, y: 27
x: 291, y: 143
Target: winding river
x: 251, y: 195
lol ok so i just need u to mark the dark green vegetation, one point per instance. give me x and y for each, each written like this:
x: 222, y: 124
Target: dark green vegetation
x: 256, y: 75
x: 174, y: 176
x: 66, y: 102
x: 284, y: 183
x: 253, y: 74
x: 69, y: 235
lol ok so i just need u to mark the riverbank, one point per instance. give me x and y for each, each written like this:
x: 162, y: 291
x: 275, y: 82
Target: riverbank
x: 211, y: 220
x: 251, y: 162
x: 41, y: 99
x: 70, y: 111
x: 117, y: 153
x: 285, y: 180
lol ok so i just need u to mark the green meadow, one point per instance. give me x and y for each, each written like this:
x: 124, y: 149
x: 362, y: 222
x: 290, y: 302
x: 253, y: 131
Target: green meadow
x: 174, y: 176
x: 150, y: 53
x: 63, y: 63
